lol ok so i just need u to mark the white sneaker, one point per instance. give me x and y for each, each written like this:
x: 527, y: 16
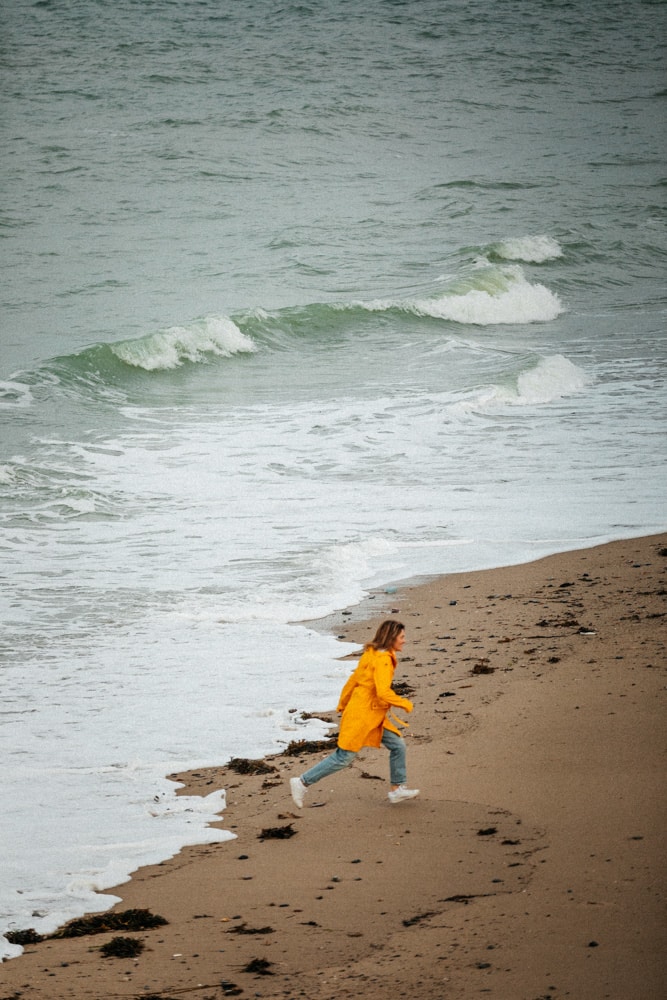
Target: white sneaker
x: 401, y: 793
x: 298, y: 790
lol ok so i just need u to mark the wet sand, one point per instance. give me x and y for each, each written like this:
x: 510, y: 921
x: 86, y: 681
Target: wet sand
x: 531, y: 866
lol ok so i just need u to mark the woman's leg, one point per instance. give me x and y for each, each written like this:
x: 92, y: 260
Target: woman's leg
x: 336, y: 761
x: 395, y: 744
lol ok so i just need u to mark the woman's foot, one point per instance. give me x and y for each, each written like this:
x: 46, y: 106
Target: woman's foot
x: 298, y: 790
x: 401, y: 793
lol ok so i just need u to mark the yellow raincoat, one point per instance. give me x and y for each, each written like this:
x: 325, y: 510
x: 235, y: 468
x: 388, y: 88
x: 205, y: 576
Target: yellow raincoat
x: 366, y: 699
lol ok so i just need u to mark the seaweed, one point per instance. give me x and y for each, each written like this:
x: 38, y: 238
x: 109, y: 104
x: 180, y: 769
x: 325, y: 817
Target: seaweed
x: 29, y: 936
x: 260, y: 966
x: 242, y: 765
x: 482, y: 667
x: 297, y: 747
x: 127, y: 920
x: 99, y: 923
x: 244, y: 929
x: 122, y: 947
x: 420, y: 916
x: 402, y: 688
x: 230, y: 989
x: 277, y: 832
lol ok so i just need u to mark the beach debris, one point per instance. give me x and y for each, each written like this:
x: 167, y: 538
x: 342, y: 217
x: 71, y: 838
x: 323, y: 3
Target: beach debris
x: 28, y: 936
x: 122, y: 947
x: 371, y: 777
x: 260, y: 966
x: 297, y: 747
x: 483, y: 667
x: 487, y: 831
x: 419, y: 917
x: 99, y: 923
x: 564, y: 622
x: 126, y: 920
x: 277, y: 832
x: 243, y: 765
x: 321, y: 716
x: 270, y: 784
x: 244, y: 929
x: 465, y: 898
x: 402, y: 688
x: 230, y: 989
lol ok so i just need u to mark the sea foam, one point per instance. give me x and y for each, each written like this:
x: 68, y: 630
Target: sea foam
x: 490, y: 295
x: 217, y: 335
x: 531, y: 249
x: 551, y: 378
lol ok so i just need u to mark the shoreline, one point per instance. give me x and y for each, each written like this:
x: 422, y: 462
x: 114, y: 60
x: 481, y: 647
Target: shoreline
x: 538, y: 716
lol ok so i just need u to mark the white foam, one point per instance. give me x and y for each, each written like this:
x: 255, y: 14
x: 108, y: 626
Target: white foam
x: 14, y: 394
x: 170, y: 348
x: 550, y: 379
x: 491, y: 295
x: 531, y: 249
x: 514, y: 300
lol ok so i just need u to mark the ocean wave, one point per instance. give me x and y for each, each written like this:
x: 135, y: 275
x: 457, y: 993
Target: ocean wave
x: 531, y: 249
x: 549, y: 379
x: 171, y: 348
x: 491, y: 295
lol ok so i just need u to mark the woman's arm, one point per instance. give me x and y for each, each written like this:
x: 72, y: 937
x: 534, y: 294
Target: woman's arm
x: 383, y: 676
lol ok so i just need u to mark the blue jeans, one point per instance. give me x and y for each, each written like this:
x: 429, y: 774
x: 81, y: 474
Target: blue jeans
x: 339, y: 759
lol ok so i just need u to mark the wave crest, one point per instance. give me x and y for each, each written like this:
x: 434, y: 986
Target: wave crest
x: 493, y: 295
x: 171, y: 348
x: 531, y: 249
x: 550, y: 379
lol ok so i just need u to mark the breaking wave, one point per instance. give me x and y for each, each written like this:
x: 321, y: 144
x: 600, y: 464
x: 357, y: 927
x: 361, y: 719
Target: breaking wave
x: 216, y: 335
x: 491, y: 295
x: 531, y: 249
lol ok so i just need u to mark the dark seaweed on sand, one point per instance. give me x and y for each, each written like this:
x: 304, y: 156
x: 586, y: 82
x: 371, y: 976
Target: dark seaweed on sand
x: 297, y: 747
x: 99, y: 923
x: 260, y: 966
x: 122, y: 947
x: 244, y: 929
x: 242, y: 765
x: 28, y: 936
x: 277, y: 832
x: 127, y: 920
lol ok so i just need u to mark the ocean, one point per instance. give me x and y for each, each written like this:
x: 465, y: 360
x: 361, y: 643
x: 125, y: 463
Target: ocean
x: 300, y: 300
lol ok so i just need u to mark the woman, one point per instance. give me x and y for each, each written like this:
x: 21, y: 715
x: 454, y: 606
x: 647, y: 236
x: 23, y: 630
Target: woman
x: 365, y: 702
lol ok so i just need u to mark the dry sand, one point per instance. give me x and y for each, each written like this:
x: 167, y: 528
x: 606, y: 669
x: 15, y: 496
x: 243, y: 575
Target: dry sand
x: 532, y: 865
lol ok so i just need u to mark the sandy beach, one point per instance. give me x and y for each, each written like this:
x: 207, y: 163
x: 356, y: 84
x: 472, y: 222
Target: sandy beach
x: 531, y: 866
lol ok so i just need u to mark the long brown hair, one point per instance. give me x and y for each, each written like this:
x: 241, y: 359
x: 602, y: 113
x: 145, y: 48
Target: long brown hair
x: 386, y: 634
